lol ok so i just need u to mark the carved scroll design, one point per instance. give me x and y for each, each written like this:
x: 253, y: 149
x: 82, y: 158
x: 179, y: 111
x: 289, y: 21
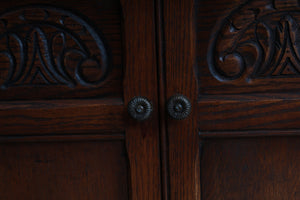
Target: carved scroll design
x: 258, y: 40
x: 45, y: 45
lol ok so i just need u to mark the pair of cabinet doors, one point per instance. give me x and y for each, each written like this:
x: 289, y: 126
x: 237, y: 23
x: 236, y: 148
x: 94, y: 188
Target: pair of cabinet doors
x: 70, y: 68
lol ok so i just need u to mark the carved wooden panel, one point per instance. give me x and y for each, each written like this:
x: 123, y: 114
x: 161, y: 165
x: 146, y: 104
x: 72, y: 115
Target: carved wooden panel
x: 60, y: 49
x: 248, y: 46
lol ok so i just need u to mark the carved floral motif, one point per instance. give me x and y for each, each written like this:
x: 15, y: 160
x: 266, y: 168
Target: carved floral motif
x: 44, y: 45
x: 259, y: 39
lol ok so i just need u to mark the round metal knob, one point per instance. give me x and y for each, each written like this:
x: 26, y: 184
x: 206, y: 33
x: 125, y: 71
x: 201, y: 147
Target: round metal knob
x: 179, y: 107
x: 139, y: 108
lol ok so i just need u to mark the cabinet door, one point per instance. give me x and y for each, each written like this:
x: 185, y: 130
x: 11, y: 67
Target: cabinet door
x: 68, y: 70
x: 238, y: 63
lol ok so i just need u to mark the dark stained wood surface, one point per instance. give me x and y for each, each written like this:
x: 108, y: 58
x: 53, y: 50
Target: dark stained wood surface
x: 183, y: 146
x: 140, y: 79
x: 83, y: 169
x: 251, y: 168
x: 61, y: 117
x: 162, y: 100
x: 96, y: 150
x: 268, y: 114
x: 247, y: 65
x: 248, y: 74
x: 247, y: 47
x: 60, y: 43
x: 236, y: 61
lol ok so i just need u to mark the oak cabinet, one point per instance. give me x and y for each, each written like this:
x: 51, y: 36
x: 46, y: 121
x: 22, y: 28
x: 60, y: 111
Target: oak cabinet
x: 68, y: 70
x: 218, y: 78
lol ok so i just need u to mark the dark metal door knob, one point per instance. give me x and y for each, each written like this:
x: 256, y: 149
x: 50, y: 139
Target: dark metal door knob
x: 139, y: 108
x: 179, y: 107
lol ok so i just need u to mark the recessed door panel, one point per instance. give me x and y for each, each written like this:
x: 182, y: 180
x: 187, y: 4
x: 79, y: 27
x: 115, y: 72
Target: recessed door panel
x: 251, y: 168
x: 86, y: 169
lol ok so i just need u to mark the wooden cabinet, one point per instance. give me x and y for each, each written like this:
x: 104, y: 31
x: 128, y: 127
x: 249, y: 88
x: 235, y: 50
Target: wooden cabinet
x: 69, y: 70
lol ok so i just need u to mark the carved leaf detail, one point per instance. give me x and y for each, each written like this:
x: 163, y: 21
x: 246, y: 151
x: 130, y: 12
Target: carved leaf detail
x: 45, y: 45
x: 259, y: 39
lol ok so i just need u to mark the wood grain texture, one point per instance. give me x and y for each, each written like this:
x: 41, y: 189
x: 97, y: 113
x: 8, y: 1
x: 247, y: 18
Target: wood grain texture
x: 64, y: 170
x: 140, y: 79
x: 179, y: 42
x: 69, y: 137
x: 61, y: 117
x: 251, y: 168
x: 247, y: 71
x: 268, y: 114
